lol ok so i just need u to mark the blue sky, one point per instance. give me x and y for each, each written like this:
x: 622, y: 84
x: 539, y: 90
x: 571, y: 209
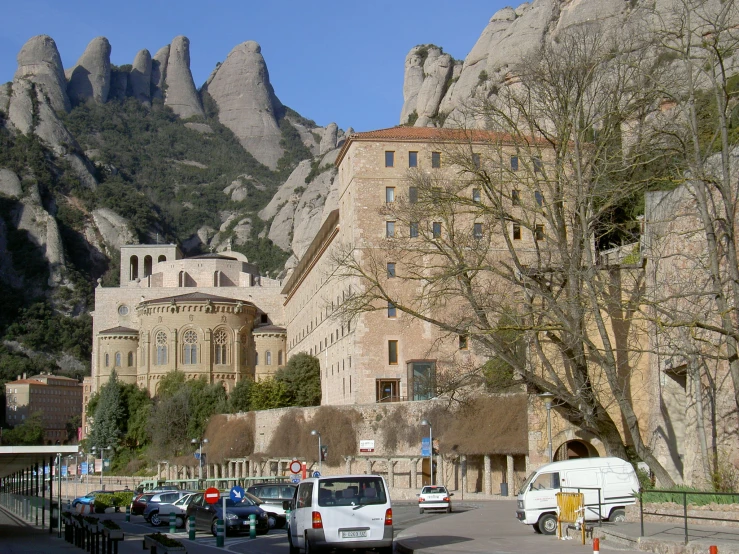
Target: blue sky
x: 339, y: 61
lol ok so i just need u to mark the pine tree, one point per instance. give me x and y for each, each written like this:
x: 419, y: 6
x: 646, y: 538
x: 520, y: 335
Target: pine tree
x: 109, y: 410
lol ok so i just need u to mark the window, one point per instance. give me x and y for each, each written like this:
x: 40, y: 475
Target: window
x: 190, y: 340
x: 389, y: 194
x: 387, y: 390
x: 268, y: 358
x: 107, y: 360
x: 389, y: 159
x: 389, y: 229
x: 514, y: 163
x: 463, y: 342
x: 279, y: 357
x: 391, y: 310
x: 477, y: 230
x: 539, y: 197
x: 515, y: 197
x: 117, y: 359
x: 436, y: 229
x: 421, y: 380
x: 130, y: 359
x: 436, y: 159
x: 538, y: 166
x: 412, y: 195
x: 412, y: 159
x: 539, y: 232
x: 123, y: 310
x: 475, y: 195
x: 476, y: 160
x: 220, y: 340
x: 161, y: 342
x: 392, y: 352
x: 516, y: 231
x: 256, y: 358
x: 414, y: 229
x: 391, y: 269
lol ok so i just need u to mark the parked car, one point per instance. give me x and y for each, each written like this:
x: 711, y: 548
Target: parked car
x: 237, y: 514
x: 138, y: 504
x: 434, y: 497
x: 158, y: 498
x: 273, y: 496
x: 341, y: 512
x: 88, y: 499
x: 159, y: 513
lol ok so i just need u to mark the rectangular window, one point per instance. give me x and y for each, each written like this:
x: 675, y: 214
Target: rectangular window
x: 414, y: 229
x: 389, y: 228
x: 463, y: 342
x: 412, y: 159
x: 477, y: 230
x: 421, y: 380
x: 389, y: 194
x: 539, y: 197
x: 476, y: 160
x: 436, y: 159
x: 389, y: 159
x: 412, y: 195
x: 475, y: 195
x: 538, y: 166
x: 391, y: 310
x: 516, y: 231
x: 514, y: 163
x: 391, y: 269
x: 515, y: 197
x: 392, y: 352
x: 436, y: 229
x: 539, y: 232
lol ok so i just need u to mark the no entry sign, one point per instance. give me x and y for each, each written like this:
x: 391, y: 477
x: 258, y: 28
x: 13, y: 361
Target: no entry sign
x: 212, y: 495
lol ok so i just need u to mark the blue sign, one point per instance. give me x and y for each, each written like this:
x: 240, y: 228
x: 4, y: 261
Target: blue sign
x: 237, y: 494
x: 64, y: 471
x: 425, y: 447
x: 316, y: 474
x: 83, y: 468
x: 295, y: 480
x: 46, y: 470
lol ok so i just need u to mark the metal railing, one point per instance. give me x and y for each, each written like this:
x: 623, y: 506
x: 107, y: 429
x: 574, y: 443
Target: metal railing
x: 685, y: 517
x: 591, y: 506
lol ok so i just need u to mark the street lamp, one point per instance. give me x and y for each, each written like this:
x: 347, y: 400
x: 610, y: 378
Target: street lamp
x: 59, y: 502
x: 431, y: 451
x: 548, y: 396
x: 320, y: 452
x: 200, y: 444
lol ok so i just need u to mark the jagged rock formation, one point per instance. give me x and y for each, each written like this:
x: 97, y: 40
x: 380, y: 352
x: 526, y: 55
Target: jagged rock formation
x: 159, y: 71
x: 427, y: 74
x: 39, y: 63
x: 328, y: 140
x: 247, y: 103
x: 140, y: 77
x: 181, y: 95
x: 90, y: 77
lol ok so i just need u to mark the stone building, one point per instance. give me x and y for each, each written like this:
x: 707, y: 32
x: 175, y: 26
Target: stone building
x: 58, y: 399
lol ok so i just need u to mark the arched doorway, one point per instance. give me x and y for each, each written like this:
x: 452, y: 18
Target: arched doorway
x: 575, y: 449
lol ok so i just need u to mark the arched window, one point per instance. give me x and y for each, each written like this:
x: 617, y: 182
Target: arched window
x: 181, y: 279
x: 130, y: 359
x: 190, y: 340
x: 134, y: 268
x: 162, y: 258
x: 220, y: 342
x: 161, y: 342
x: 256, y: 358
x: 268, y: 358
x: 147, y: 266
x: 216, y: 279
x: 279, y: 357
x: 118, y: 359
x: 107, y: 360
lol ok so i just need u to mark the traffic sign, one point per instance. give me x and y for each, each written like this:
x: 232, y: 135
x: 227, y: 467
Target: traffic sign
x: 212, y: 495
x: 237, y: 494
x: 316, y: 474
x: 425, y: 447
x: 295, y: 480
x: 295, y: 466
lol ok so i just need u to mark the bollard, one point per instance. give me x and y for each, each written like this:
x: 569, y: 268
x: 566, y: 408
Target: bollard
x: 713, y: 550
x: 252, y: 526
x: 596, y: 546
x: 191, y: 528
x: 128, y: 513
x: 172, y: 523
x: 220, y: 533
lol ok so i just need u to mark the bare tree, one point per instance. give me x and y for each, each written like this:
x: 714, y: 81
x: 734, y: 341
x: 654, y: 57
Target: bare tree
x: 513, y: 264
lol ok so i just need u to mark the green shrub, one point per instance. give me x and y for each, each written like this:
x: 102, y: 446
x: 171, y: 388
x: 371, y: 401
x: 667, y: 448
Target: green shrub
x: 676, y: 495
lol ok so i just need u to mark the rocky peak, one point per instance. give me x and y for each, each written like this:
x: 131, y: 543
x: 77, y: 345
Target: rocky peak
x: 247, y: 103
x: 39, y: 62
x: 328, y: 140
x: 89, y: 78
x: 158, y: 71
x: 181, y: 94
x: 140, y: 77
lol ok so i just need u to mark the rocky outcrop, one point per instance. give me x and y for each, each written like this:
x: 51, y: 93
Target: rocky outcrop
x: 39, y: 63
x: 328, y: 140
x: 89, y: 78
x: 10, y: 184
x: 159, y: 72
x: 114, y: 229
x: 181, y: 95
x: 140, y: 77
x: 247, y: 103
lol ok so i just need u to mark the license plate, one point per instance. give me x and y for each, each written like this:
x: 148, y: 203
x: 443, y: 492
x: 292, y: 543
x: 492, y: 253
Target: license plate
x: 353, y: 534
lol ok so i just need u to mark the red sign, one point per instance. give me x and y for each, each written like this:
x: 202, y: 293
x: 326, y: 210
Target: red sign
x: 212, y: 495
x: 295, y: 466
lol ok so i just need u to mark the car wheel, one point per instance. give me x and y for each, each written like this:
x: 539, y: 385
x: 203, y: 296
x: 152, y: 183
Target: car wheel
x: 310, y: 548
x: 262, y: 531
x: 293, y: 549
x: 617, y: 516
x: 536, y: 528
x: 449, y: 509
x: 214, y: 527
x: 548, y: 524
x: 272, y: 519
x: 154, y: 519
x: 420, y: 510
x: 385, y: 550
x: 179, y: 522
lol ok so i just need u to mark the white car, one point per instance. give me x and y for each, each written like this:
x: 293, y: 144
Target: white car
x: 435, y: 497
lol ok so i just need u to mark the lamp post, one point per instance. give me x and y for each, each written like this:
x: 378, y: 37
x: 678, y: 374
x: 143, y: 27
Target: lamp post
x: 548, y: 396
x: 200, y: 444
x: 320, y: 452
x: 431, y: 451
x: 59, y: 502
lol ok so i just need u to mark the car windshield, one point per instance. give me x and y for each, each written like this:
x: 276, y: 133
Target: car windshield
x: 184, y: 501
x: 433, y: 490
x: 350, y: 491
x: 244, y: 502
x: 255, y: 499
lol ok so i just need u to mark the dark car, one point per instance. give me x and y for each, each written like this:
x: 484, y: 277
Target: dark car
x: 237, y: 515
x: 272, y: 495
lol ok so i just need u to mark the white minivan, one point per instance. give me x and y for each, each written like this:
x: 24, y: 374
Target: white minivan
x: 341, y: 512
x: 612, y: 482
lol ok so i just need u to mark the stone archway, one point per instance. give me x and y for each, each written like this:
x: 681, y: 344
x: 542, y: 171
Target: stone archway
x: 573, y: 449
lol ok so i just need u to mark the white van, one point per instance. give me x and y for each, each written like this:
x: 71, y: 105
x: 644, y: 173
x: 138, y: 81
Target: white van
x: 614, y: 478
x: 342, y: 512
